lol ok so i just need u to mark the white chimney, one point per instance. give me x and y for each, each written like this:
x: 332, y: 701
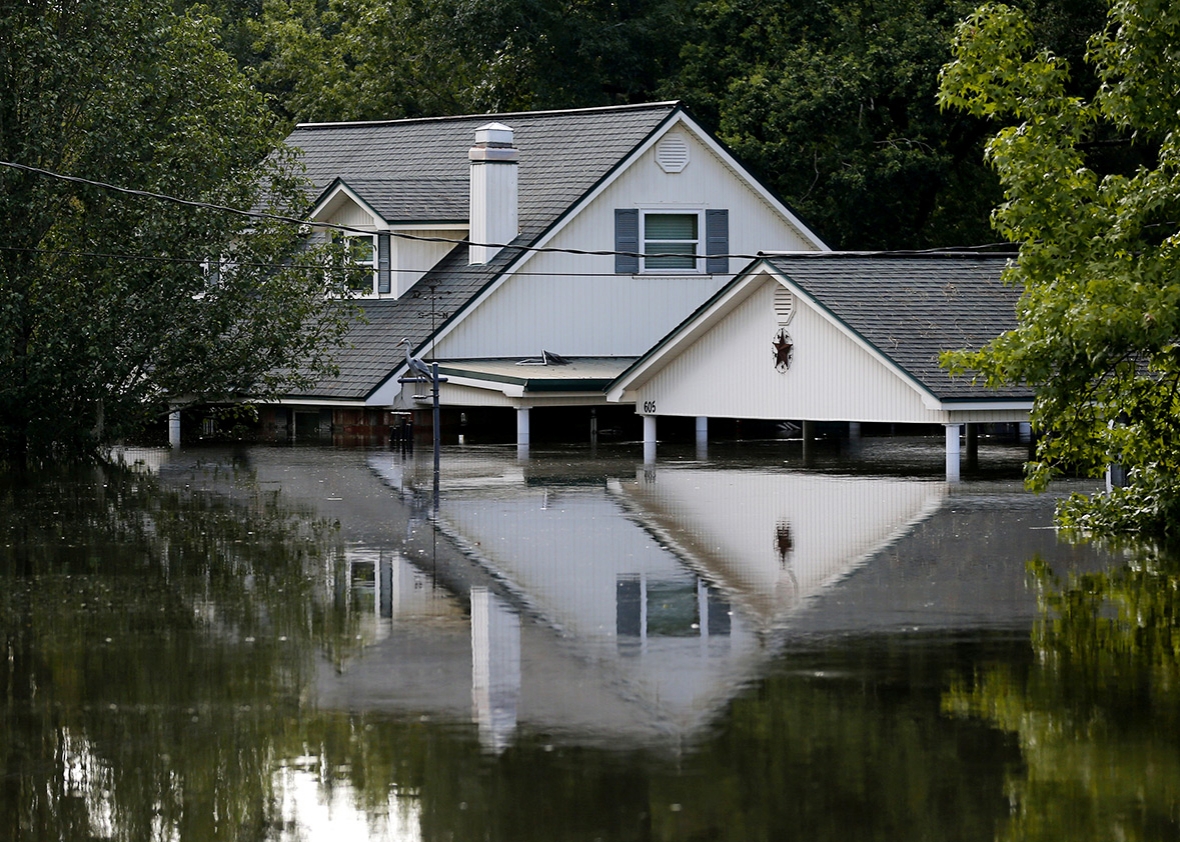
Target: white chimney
x: 493, y: 192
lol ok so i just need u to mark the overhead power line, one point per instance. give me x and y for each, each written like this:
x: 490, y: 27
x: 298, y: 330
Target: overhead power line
x: 348, y: 229
x: 319, y: 267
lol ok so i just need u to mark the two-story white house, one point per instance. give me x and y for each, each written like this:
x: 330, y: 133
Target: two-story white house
x: 579, y: 270
x: 535, y: 256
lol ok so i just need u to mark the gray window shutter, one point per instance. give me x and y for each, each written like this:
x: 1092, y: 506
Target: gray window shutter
x: 383, y: 273
x: 627, y: 239
x: 716, y: 242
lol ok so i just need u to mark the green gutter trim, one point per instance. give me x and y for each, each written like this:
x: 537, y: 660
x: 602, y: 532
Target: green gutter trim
x: 533, y: 384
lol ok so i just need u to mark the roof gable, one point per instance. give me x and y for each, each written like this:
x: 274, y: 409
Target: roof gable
x: 911, y: 308
x: 337, y: 197
x: 676, y: 118
x: 902, y: 309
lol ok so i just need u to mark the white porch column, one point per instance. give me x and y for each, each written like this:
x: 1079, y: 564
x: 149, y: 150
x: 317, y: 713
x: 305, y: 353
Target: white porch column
x: 808, y: 434
x: 952, y: 452
x: 174, y: 429
x: 649, y: 438
x: 854, y: 431
x: 702, y: 430
x: 522, y: 432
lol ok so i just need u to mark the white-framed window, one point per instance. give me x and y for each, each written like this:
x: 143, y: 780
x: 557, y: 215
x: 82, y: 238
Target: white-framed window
x: 358, y: 261
x: 361, y: 254
x: 671, y: 241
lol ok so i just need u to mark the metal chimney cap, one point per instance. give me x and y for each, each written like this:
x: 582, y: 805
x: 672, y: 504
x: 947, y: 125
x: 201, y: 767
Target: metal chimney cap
x: 494, y: 135
x: 493, y: 144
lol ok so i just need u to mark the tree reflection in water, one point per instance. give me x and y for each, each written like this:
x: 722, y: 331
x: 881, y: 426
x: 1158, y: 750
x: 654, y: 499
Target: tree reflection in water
x: 156, y: 655
x: 1097, y: 712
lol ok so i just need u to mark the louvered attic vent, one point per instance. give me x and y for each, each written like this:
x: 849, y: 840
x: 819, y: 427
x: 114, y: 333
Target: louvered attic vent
x: 672, y: 153
x: 784, y: 305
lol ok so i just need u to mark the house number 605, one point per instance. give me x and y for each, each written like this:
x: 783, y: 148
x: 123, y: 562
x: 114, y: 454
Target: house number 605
x: 649, y: 407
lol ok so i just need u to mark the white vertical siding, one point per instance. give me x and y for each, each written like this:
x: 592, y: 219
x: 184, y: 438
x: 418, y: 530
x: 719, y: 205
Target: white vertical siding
x: 411, y: 259
x: 577, y: 305
x: 493, y: 208
x: 729, y: 372
x: 352, y: 215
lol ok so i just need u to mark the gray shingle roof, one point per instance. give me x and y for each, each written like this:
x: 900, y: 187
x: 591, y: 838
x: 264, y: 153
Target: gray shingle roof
x: 562, y: 155
x: 414, y: 200
x: 374, y: 348
x: 398, y: 164
x: 911, y: 308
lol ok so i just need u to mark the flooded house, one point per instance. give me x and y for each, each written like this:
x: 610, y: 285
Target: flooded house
x: 534, y: 256
x: 586, y: 272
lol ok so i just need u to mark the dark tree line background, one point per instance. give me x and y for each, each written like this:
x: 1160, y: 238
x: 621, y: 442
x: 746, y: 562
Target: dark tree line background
x: 110, y: 307
x: 831, y: 102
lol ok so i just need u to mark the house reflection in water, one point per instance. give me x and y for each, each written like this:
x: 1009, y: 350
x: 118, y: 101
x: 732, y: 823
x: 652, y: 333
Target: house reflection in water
x: 646, y: 603
x: 773, y: 540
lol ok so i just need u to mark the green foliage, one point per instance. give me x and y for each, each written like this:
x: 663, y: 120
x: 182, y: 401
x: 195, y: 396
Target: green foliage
x: 110, y: 305
x: 1092, y: 195
x: 1149, y: 501
x: 380, y: 59
x: 834, y: 104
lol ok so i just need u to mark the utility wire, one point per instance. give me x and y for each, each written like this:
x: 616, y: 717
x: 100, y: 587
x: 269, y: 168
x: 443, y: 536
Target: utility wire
x: 321, y: 267
x: 348, y: 229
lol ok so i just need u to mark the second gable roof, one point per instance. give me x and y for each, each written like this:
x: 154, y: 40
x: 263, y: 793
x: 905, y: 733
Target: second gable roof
x: 907, y: 308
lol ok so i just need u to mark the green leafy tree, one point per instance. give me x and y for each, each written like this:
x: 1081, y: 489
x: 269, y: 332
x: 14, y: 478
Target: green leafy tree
x: 114, y: 305
x: 1092, y: 195
x: 834, y: 105
x: 380, y: 59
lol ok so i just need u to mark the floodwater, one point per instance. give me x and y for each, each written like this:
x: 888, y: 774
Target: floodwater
x: 294, y: 644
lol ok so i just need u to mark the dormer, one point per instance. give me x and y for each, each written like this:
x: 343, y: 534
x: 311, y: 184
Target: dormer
x: 399, y: 227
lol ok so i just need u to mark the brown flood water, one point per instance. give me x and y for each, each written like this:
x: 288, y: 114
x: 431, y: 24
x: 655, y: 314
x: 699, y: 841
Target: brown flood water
x: 271, y: 643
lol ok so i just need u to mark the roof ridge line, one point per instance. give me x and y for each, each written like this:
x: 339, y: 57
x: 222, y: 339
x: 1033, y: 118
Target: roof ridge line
x: 456, y: 117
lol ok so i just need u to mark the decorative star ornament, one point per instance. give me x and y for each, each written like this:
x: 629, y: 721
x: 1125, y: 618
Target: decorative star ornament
x: 784, y: 349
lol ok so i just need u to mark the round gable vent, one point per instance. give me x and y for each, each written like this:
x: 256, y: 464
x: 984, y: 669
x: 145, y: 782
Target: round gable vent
x: 672, y: 153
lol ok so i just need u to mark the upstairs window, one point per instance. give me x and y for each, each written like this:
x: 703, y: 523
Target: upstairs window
x: 670, y: 241
x: 360, y: 254
x: 367, y: 263
x: 662, y: 241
